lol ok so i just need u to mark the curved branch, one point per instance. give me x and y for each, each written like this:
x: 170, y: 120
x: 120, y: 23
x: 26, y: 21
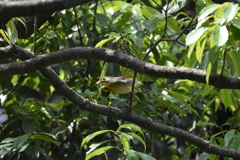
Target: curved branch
x: 26, y: 8
x: 113, y: 112
x: 121, y: 59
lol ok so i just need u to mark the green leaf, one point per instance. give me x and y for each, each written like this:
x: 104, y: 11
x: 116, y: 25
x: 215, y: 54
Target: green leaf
x: 29, y: 126
x: 200, y: 44
x: 91, y: 136
x: 104, y: 69
x: 213, y: 55
x: 235, y: 30
x: 140, y: 34
x: 184, y: 100
x: 235, y: 57
x: 228, y: 137
x: 230, y: 12
x: 102, y: 20
x: 169, y: 101
x: 230, y: 120
x: 112, y: 5
x: 95, y: 145
x: 134, y: 155
x: 219, y: 15
x: 23, y: 22
x: 20, y: 140
x: 145, y: 156
x: 190, y: 50
x: 45, y: 138
x: 148, y: 12
x: 131, y: 126
x: 12, y: 31
x: 6, y: 149
x: 193, y: 36
x: 134, y: 135
x: 102, y: 42
x: 125, y: 138
x: 4, y: 34
x: 236, y: 22
x: 169, y: 57
x: 173, y: 24
x: 234, y: 143
x: 131, y: 154
x: 226, y: 97
x: 14, y: 79
x: 207, y: 10
x: 204, y: 156
x: 150, y: 25
x: 8, y: 140
x: 220, y: 35
x: 176, y: 6
x: 98, y: 152
x: 23, y: 147
x: 208, y: 72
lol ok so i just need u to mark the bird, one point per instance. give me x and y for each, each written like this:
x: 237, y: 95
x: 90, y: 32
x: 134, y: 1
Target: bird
x: 122, y: 84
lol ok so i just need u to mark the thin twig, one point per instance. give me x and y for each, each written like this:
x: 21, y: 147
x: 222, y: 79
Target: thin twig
x: 78, y: 27
x: 94, y: 17
x: 35, y: 34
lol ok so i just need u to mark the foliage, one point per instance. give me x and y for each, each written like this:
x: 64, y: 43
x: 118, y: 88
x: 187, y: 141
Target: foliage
x: 43, y: 125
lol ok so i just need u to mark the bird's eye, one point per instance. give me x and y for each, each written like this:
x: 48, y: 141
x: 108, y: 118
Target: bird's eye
x: 104, y: 79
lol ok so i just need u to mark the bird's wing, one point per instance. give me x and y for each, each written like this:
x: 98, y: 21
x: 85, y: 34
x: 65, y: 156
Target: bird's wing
x: 126, y: 78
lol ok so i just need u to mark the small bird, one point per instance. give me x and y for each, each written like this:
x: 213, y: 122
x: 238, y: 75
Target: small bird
x: 123, y: 84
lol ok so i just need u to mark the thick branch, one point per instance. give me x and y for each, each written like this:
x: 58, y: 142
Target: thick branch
x: 119, y: 58
x: 147, y: 123
x: 26, y: 8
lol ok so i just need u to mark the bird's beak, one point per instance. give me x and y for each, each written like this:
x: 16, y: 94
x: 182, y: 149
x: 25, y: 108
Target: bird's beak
x: 99, y: 82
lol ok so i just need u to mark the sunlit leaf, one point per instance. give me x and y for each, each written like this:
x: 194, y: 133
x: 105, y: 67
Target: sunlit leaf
x: 193, y: 36
x: 207, y: 10
x: 175, y: 6
x: 230, y: 12
x: 226, y: 97
x: 208, y: 72
x: 220, y: 35
x: 125, y: 140
x: 148, y: 11
x: 102, y: 42
x: 12, y: 32
x: 131, y: 126
x: 93, y: 135
x: 98, y: 152
x: 200, y: 48
x: 95, y: 145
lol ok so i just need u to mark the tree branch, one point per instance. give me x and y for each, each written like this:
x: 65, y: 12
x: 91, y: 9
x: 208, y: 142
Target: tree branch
x: 113, y: 112
x: 26, y: 8
x: 121, y: 59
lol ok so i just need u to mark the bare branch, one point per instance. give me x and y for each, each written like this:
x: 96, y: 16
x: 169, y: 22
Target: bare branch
x: 121, y: 59
x: 26, y: 8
